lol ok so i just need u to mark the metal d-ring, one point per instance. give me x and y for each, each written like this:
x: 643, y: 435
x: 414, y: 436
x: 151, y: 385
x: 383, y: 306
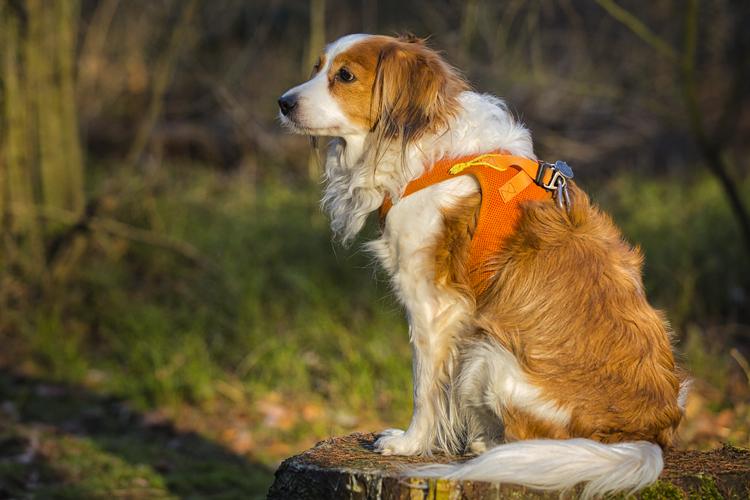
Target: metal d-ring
x: 561, y: 172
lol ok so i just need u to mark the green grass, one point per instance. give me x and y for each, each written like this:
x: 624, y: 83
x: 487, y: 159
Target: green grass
x: 286, y: 337
x: 286, y: 310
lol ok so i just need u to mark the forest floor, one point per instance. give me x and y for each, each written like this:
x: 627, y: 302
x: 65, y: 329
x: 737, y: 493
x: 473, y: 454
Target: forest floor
x: 150, y: 374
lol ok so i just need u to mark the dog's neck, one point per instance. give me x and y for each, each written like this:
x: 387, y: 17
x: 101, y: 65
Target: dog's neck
x: 359, y: 173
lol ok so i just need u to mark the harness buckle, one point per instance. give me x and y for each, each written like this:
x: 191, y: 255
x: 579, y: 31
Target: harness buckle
x: 558, y: 183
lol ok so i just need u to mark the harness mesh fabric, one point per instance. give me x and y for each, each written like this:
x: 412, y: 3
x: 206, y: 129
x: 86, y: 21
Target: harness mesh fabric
x: 500, y: 176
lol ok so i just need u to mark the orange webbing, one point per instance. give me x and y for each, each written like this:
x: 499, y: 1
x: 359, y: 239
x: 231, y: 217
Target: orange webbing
x: 506, y: 181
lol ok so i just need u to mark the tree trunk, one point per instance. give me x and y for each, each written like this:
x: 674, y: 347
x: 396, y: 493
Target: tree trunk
x: 347, y: 468
x: 41, y: 163
x: 49, y: 77
x: 18, y: 224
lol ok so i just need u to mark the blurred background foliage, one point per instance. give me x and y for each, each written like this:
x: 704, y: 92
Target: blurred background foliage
x: 165, y: 269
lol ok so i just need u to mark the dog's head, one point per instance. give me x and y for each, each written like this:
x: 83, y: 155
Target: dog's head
x: 396, y: 88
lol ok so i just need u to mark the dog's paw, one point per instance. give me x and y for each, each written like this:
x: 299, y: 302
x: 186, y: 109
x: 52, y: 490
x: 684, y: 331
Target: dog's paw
x: 479, y: 446
x: 482, y: 444
x: 398, y: 442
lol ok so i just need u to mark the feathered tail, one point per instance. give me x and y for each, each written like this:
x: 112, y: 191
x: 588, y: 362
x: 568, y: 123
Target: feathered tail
x: 560, y: 465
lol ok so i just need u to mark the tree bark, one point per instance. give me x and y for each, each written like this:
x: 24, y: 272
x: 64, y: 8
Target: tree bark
x: 17, y: 167
x: 348, y: 468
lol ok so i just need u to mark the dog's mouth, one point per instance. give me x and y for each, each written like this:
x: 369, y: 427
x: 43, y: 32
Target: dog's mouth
x: 291, y: 124
x: 294, y: 127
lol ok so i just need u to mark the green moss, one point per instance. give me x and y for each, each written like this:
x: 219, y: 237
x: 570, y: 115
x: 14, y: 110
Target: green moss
x: 735, y: 449
x: 662, y: 490
x: 705, y: 489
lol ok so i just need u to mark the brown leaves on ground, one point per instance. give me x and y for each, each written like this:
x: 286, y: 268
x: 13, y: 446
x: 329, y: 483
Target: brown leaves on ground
x: 267, y: 428
x: 712, y: 420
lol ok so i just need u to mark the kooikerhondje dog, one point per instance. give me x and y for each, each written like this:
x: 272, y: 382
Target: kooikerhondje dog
x: 534, y: 345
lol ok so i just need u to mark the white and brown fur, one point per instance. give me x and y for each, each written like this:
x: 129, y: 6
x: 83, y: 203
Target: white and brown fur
x: 560, y: 372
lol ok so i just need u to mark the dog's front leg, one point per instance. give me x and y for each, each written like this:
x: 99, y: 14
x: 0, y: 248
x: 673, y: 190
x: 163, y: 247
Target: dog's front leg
x: 438, y: 315
x: 432, y: 332
x: 417, y: 440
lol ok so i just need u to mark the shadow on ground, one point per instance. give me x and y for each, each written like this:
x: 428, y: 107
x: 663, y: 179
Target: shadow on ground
x: 59, y: 441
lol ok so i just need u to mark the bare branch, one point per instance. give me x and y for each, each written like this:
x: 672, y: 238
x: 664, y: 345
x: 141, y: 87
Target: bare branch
x: 162, y: 77
x: 710, y: 149
x: 120, y: 229
x: 639, y: 29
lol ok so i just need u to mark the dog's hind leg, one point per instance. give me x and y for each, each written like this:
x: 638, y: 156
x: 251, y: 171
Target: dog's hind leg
x: 499, y: 401
x: 484, y: 429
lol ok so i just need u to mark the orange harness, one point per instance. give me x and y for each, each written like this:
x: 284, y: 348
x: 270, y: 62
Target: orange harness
x: 506, y: 181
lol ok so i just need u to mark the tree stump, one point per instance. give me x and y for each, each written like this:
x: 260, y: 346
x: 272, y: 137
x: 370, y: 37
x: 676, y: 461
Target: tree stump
x: 348, y: 468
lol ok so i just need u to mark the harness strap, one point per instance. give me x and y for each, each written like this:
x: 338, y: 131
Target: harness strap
x: 505, y: 181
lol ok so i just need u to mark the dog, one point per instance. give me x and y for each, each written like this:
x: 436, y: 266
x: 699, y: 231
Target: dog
x: 534, y: 345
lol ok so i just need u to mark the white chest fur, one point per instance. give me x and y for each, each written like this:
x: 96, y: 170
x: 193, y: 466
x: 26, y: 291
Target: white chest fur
x: 413, y: 226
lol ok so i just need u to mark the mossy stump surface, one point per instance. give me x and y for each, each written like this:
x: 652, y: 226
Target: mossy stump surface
x: 348, y: 468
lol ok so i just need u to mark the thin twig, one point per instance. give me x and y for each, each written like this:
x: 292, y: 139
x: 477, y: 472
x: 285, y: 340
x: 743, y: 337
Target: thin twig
x: 742, y: 361
x: 639, y: 29
x: 120, y: 229
x: 162, y: 77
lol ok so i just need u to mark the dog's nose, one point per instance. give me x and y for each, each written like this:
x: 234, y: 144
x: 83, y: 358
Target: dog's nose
x: 287, y: 104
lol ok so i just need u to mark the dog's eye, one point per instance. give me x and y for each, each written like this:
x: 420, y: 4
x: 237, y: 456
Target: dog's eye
x: 346, y: 76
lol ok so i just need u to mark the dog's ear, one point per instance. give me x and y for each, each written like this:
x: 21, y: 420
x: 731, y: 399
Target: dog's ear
x: 414, y: 90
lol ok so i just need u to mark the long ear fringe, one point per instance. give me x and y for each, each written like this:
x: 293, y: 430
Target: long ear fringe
x: 315, y: 150
x: 415, y: 91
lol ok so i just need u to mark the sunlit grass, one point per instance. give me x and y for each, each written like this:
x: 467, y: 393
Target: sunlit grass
x: 285, y: 309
